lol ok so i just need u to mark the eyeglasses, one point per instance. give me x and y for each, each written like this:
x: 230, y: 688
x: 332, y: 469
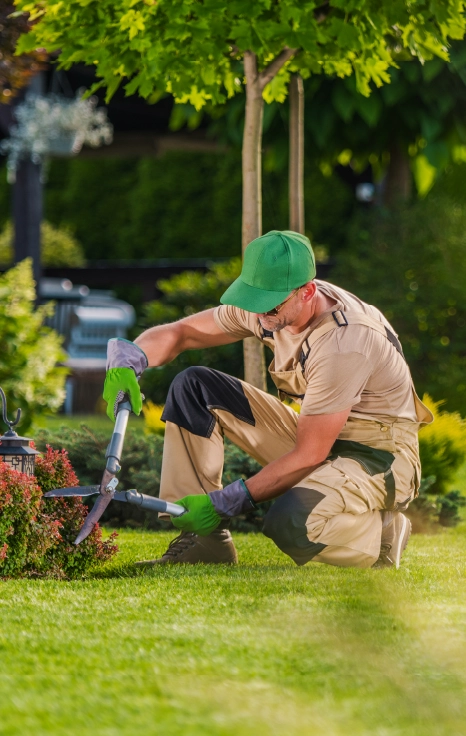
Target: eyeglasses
x: 273, y: 312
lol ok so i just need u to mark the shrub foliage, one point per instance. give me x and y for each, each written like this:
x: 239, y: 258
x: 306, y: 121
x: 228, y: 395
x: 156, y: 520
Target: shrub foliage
x: 441, y: 446
x: 29, y: 374
x: 58, y: 246
x: 36, y: 534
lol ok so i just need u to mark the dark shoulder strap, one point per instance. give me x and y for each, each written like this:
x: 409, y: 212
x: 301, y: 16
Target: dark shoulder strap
x: 394, y: 341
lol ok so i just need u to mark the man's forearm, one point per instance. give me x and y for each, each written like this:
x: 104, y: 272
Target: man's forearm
x: 279, y: 476
x: 161, y: 344
x: 164, y: 343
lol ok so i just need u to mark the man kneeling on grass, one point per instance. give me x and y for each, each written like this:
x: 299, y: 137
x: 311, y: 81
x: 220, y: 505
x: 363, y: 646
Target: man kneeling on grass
x: 343, y: 470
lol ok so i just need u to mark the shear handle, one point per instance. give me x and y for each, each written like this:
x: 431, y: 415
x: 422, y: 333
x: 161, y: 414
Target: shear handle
x: 115, y: 447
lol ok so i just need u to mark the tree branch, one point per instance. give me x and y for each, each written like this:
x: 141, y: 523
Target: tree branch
x: 274, y: 67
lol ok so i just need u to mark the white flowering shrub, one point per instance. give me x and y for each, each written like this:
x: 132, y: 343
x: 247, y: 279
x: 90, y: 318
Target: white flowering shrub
x: 54, y: 125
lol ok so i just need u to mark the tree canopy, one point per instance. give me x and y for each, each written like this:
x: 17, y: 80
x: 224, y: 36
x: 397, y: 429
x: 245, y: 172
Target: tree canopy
x: 193, y: 49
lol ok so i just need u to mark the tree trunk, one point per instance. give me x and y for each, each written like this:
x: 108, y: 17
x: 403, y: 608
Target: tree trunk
x: 254, y: 360
x: 296, y: 163
x: 27, y: 214
x: 398, y: 180
x: 27, y: 203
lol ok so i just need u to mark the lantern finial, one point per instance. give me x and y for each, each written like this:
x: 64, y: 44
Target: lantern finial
x: 5, y: 417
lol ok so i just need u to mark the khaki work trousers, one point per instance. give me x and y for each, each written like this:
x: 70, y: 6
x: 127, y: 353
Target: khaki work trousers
x: 331, y: 516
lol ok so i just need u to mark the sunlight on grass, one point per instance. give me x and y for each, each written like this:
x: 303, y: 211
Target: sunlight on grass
x: 260, y: 648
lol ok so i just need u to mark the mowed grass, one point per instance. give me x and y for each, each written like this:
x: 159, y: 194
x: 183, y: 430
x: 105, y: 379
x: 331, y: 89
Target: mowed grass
x: 261, y: 648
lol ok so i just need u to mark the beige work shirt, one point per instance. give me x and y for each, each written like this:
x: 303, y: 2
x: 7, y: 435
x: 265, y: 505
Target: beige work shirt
x: 352, y: 366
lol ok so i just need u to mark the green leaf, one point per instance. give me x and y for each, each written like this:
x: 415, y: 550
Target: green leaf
x: 424, y: 174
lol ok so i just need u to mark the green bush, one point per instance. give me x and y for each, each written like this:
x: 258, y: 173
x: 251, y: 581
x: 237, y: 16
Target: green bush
x: 428, y: 512
x: 142, y: 459
x: 410, y: 263
x: 30, y: 351
x: 36, y: 534
x: 20, y: 534
x: 442, y: 447
x: 58, y: 246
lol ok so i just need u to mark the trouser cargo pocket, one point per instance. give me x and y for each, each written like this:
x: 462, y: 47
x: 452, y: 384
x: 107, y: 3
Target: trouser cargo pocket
x: 373, y: 461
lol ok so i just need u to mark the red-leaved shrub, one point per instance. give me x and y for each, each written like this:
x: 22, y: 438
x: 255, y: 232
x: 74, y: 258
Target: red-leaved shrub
x: 37, y: 534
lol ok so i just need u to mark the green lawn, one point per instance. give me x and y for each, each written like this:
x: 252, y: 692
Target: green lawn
x: 261, y: 648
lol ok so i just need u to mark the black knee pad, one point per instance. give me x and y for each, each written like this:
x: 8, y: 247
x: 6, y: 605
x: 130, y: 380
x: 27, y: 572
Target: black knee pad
x: 198, y: 389
x: 285, y: 524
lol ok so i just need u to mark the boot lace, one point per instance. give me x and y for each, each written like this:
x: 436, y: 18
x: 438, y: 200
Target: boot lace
x: 182, y: 542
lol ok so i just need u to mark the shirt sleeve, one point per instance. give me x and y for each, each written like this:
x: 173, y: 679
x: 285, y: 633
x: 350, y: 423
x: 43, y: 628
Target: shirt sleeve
x: 236, y: 322
x: 335, y: 382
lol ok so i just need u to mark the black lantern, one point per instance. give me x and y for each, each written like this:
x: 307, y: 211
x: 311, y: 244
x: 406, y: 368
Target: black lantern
x: 15, y: 450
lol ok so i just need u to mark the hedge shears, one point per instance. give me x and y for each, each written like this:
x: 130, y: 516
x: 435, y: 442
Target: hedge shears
x: 107, y: 489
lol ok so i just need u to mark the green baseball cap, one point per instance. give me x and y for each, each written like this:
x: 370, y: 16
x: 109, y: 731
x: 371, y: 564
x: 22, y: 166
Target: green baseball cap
x: 274, y: 265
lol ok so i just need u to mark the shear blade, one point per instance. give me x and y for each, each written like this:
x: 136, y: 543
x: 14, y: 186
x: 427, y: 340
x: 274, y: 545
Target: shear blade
x: 72, y: 491
x: 93, y: 517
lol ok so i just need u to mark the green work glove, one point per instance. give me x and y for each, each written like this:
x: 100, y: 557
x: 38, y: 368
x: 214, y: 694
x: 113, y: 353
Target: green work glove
x: 120, y: 381
x: 206, y: 511
x: 201, y: 517
x: 125, y: 365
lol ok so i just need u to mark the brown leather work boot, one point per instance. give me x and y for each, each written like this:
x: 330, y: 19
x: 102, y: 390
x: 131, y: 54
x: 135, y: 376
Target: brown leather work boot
x: 191, y: 549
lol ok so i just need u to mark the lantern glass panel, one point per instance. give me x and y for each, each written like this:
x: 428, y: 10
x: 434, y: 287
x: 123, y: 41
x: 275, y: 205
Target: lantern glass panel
x: 21, y: 463
x: 29, y: 462
x: 14, y: 461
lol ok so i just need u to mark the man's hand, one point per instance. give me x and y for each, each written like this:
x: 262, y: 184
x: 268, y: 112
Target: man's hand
x: 125, y: 364
x: 119, y: 384
x: 200, y: 518
x: 206, y: 511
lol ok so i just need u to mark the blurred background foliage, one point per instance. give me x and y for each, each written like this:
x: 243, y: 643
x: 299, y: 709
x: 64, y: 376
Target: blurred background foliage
x: 182, y: 295
x: 30, y: 372
x: 441, y: 446
x: 410, y: 263
x: 59, y: 247
x: 183, y: 205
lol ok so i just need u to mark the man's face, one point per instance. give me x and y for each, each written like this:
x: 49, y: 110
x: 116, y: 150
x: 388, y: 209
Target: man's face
x: 288, y: 311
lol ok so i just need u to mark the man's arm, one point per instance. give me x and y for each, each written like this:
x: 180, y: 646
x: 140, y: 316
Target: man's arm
x: 164, y: 343
x: 314, y: 439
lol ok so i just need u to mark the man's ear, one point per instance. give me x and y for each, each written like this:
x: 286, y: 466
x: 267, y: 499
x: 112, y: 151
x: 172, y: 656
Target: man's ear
x: 308, y: 291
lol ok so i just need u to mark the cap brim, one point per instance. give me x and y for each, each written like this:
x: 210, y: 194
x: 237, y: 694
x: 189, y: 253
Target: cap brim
x: 252, y: 299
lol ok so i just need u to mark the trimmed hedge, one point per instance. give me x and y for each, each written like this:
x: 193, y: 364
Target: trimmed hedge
x: 37, y: 534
